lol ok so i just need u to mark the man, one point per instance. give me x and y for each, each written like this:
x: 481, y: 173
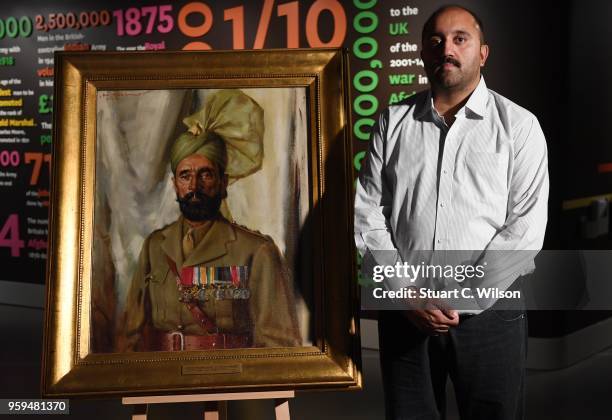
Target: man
x: 204, y: 282
x: 458, y: 167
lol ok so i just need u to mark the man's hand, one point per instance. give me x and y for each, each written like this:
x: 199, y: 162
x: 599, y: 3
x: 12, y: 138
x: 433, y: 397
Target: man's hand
x: 433, y: 316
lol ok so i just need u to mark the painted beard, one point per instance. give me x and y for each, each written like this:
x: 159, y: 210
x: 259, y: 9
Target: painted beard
x: 203, y: 208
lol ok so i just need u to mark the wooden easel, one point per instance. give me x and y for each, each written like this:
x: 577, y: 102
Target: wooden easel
x: 216, y: 404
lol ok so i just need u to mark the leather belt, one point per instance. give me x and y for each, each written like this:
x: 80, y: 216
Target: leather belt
x: 176, y: 341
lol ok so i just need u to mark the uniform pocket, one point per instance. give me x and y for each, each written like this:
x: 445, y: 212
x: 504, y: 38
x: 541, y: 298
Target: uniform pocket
x: 157, y: 279
x: 157, y: 276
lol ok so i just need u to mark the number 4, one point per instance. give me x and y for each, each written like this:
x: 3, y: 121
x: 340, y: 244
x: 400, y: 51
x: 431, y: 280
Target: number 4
x: 9, y: 235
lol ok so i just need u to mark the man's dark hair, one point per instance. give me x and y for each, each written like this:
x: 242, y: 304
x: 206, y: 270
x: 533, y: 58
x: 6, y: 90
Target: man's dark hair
x: 439, y: 11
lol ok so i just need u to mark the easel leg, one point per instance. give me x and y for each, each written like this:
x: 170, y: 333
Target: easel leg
x: 215, y: 410
x: 139, y: 412
x: 281, y: 409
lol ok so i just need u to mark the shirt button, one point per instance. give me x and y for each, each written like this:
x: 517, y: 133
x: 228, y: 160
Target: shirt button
x: 441, y: 204
x: 445, y: 171
x: 439, y: 241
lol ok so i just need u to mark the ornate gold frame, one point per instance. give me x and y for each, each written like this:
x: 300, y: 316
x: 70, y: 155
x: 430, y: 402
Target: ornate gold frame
x: 69, y: 368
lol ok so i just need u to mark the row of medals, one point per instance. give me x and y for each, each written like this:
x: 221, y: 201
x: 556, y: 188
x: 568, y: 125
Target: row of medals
x: 217, y: 292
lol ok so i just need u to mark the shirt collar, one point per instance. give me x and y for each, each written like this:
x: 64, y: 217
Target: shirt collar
x: 426, y: 107
x: 478, y: 100
x: 477, y: 103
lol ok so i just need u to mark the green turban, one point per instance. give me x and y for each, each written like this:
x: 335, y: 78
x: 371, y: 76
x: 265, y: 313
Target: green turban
x: 228, y: 130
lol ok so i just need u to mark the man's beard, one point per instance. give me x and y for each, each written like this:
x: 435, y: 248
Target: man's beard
x: 204, y: 208
x: 446, y: 79
x: 458, y: 78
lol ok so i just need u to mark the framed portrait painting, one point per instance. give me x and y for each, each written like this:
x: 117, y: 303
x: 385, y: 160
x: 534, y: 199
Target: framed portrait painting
x: 201, y: 224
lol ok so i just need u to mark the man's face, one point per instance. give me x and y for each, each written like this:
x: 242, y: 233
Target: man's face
x: 452, y: 50
x: 199, y: 187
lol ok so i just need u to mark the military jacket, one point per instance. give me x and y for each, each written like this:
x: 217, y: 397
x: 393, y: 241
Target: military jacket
x: 261, y: 305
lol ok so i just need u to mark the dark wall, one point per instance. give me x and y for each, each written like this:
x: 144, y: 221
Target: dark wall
x: 587, y: 117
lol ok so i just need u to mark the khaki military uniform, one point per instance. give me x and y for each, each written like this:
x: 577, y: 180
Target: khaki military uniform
x: 265, y: 313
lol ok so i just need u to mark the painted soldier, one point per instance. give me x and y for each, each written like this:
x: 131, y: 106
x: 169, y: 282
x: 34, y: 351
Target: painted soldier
x: 204, y: 282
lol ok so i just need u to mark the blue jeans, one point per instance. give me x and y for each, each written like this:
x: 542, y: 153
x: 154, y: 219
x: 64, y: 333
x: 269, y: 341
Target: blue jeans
x: 484, y: 357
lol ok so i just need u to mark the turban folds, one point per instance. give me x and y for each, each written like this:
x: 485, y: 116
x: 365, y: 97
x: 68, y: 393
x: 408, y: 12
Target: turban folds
x: 228, y: 130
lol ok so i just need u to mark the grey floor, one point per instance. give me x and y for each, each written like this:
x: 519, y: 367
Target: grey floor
x: 582, y: 391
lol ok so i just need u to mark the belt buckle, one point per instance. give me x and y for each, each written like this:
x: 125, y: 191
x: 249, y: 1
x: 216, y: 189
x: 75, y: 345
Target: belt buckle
x: 181, y: 340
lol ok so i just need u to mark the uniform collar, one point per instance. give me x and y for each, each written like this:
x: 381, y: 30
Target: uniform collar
x: 213, y: 245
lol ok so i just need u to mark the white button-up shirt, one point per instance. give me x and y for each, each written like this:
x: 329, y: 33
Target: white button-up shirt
x: 481, y: 184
